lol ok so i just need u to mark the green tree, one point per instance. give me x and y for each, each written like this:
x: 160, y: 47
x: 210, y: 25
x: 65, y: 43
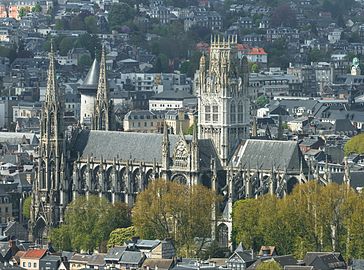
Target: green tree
x: 22, y: 12
x: 355, y: 145
x: 120, y: 235
x: 37, y: 8
x: 65, y: 45
x: 168, y: 209
x: 91, y: 24
x: 262, y: 101
x: 26, y: 207
x: 269, y: 265
x: 90, y: 42
x: 255, y: 68
x: 84, y: 61
x: 88, y: 224
x: 119, y: 14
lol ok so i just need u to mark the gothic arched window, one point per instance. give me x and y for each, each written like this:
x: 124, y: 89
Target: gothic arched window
x: 232, y: 112
x: 240, y: 112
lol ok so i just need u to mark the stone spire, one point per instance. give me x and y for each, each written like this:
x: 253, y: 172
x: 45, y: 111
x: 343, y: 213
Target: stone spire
x: 103, y: 106
x: 52, y: 91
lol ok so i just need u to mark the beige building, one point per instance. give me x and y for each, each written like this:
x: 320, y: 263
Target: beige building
x: 30, y: 260
x: 143, y: 121
x: 175, y: 120
x: 79, y: 261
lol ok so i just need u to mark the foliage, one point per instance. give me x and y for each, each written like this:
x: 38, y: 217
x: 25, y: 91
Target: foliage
x: 37, y: 8
x: 26, y: 207
x: 283, y: 15
x: 120, y: 235
x: 262, y: 101
x: 277, y: 53
x: 312, y: 218
x: 84, y: 61
x: 66, y: 44
x: 168, y: 209
x: 254, y: 68
x: 88, y: 223
x: 91, y: 24
x: 316, y: 55
x: 22, y: 12
x: 355, y: 145
x: 7, y: 52
x: 119, y: 14
x: 269, y: 265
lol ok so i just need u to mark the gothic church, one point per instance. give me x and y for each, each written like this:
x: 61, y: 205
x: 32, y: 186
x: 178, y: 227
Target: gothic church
x: 118, y: 165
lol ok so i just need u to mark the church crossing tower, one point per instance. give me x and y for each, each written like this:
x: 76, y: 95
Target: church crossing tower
x: 223, y: 100
x: 103, y: 107
x: 47, y: 200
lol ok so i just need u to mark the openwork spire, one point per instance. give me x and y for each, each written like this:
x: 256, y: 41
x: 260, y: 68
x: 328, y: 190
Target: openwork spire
x: 103, y: 106
x: 102, y: 90
x: 52, y: 92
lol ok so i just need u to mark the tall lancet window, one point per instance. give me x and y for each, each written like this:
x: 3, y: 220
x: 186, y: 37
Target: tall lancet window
x: 232, y: 112
x: 240, y: 112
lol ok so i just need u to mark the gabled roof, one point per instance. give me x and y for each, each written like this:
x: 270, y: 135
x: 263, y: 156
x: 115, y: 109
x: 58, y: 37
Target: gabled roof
x: 158, y: 263
x: 115, y: 253
x: 262, y: 154
x: 34, y: 254
x: 131, y: 257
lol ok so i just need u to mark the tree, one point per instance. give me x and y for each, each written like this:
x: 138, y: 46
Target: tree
x: 168, y: 209
x: 120, y: 235
x: 91, y: 24
x: 262, y: 101
x: 26, y: 207
x: 22, y: 12
x: 37, y: 8
x: 119, y: 14
x: 254, y: 68
x: 283, y: 15
x: 269, y: 265
x: 311, y: 218
x: 88, y: 224
x: 65, y: 45
x: 84, y: 61
x: 90, y: 42
x: 355, y: 145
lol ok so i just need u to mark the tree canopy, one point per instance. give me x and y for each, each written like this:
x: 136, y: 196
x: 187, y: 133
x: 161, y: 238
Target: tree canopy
x: 269, y: 265
x: 88, y: 224
x: 355, y: 145
x: 119, y: 14
x: 120, y: 235
x: 312, y: 218
x: 26, y: 207
x: 168, y: 209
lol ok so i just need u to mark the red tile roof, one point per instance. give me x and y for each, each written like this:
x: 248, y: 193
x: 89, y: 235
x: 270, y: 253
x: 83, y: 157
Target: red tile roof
x: 34, y: 254
x: 256, y: 51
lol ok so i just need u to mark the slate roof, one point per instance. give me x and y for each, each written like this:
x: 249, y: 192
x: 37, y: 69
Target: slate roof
x: 356, y: 178
x: 357, y: 264
x: 160, y: 263
x: 92, y: 79
x: 268, y: 154
x: 131, y: 257
x: 96, y: 260
x: 311, y: 256
x: 81, y: 258
x: 115, y: 253
x: 298, y: 267
x: 146, y: 147
x: 344, y: 125
x: 172, y: 95
x: 18, y: 138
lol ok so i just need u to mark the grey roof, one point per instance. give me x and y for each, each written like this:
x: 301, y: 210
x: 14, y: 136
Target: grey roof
x: 18, y: 138
x: 142, y: 243
x: 92, y: 79
x: 356, y: 178
x: 298, y: 267
x: 82, y: 258
x: 344, y: 125
x: 115, y: 253
x: 132, y: 257
x: 97, y: 259
x: 172, y: 95
x: 127, y: 145
x: 146, y: 147
x: 268, y: 154
x: 51, y: 258
x: 358, y: 264
x: 311, y: 256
